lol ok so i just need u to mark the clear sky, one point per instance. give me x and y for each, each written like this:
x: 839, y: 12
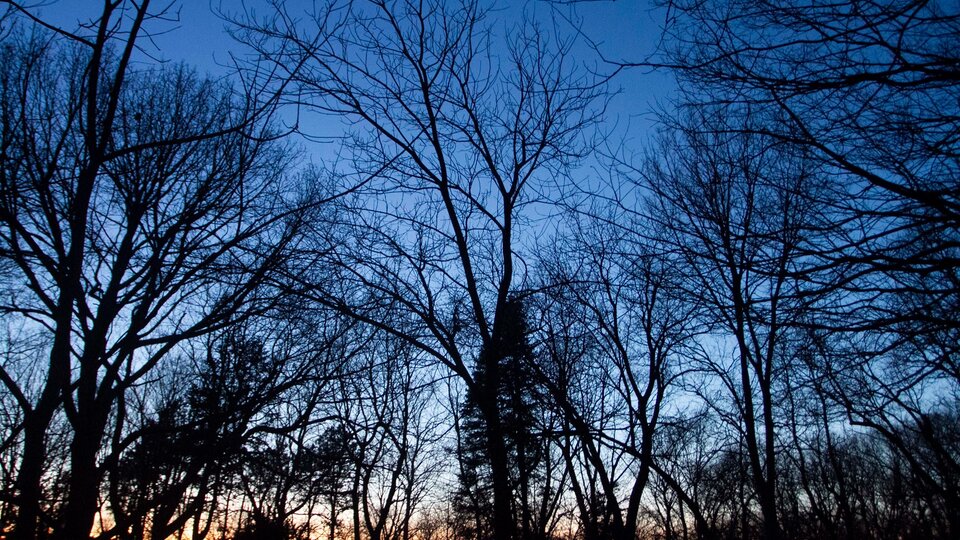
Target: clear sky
x: 627, y: 30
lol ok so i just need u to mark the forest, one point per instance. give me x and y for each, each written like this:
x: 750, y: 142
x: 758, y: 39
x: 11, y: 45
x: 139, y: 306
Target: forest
x: 396, y: 275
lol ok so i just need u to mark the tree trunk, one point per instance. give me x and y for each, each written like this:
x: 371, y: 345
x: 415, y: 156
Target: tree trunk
x: 83, y: 494
x: 504, y: 526
x: 29, y: 476
x: 36, y: 422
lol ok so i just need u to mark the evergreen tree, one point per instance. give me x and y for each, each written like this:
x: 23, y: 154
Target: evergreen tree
x: 503, y: 372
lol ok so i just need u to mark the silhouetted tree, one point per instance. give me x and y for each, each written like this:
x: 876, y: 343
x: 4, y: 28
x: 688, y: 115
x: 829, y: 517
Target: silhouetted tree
x: 385, y: 413
x: 140, y: 208
x: 451, y: 142
x: 514, y: 386
x: 211, y: 436
x: 625, y: 295
x: 741, y: 213
x: 331, y: 462
x: 867, y: 89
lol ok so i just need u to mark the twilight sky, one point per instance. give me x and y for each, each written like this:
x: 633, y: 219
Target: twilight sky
x: 625, y: 30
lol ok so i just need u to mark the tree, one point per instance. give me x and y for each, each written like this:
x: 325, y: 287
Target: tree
x: 868, y: 89
x: 231, y: 420
x: 332, y: 461
x: 624, y: 293
x: 867, y: 86
x: 525, y: 430
x: 140, y: 208
x: 732, y: 207
x: 387, y: 427
x: 452, y: 141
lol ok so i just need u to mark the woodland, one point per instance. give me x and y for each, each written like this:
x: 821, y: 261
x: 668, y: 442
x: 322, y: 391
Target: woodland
x: 479, y: 313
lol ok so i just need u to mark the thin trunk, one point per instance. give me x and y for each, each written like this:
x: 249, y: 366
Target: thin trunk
x: 504, y: 526
x: 768, y: 501
x: 762, y: 482
x: 333, y: 518
x: 355, y: 501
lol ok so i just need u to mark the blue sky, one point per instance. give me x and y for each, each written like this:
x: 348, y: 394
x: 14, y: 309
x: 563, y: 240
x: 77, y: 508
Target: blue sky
x: 623, y: 30
x: 627, y: 30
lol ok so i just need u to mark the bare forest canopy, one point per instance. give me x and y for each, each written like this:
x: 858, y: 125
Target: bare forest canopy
x: 477, y: 313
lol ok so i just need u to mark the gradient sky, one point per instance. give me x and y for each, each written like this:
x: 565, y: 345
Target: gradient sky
x: 622, y: 30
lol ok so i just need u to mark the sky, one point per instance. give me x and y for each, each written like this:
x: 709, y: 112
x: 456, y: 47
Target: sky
x: 618, y: 30
x: 622, y: 30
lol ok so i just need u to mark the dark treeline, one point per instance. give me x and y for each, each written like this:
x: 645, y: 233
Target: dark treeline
x: 480, y: 317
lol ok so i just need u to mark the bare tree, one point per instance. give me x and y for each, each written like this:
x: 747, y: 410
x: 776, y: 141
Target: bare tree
x: 233, y: 417
x: 867, y: 86
x: 625, y: 292
x: 735, y: 210
x: 455, y: 134
x: 140, y: 208
x: 869, y: 89
x: 386, y: 412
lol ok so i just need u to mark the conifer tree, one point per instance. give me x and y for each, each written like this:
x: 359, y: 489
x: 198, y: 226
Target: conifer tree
x: 504, y: 372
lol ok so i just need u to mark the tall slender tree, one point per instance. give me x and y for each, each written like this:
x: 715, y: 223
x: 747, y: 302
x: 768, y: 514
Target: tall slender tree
x: 869, y: 90
x: 522, y: 407
x: 734, y: 208
x: 455, y: 132
x: 139, y: 208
